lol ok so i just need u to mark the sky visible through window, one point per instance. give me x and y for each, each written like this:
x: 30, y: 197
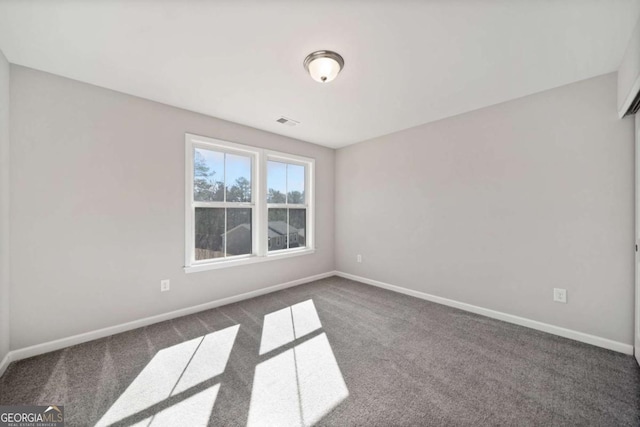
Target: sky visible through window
x: 237, y: 166
x: 285, y: 177
x: 281, y: 176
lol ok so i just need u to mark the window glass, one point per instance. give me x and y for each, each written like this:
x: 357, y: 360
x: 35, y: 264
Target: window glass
x: 209, y: 228
x: 297, y: 227
x: 276, y: 182
x: 208, y: 175
x: 295, y: 184
x: 238, y: 234
x: 238, y: 178
x: 286, y: 184
x: 277, y: 229
x: 221, y: 178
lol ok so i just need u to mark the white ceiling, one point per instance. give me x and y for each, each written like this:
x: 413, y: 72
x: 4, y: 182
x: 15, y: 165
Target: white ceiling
x: 406, y: 62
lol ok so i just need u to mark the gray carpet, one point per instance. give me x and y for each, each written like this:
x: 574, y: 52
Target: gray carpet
x: 369, y: 357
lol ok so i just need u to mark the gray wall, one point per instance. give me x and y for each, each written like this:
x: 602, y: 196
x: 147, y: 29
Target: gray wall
x: 629, y: 70
x: 4, y: 207
x: 97, y: 209
x: 498, y: 206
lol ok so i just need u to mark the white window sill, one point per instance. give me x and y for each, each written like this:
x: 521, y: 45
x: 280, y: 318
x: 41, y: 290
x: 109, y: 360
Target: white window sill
x: 214, y: 265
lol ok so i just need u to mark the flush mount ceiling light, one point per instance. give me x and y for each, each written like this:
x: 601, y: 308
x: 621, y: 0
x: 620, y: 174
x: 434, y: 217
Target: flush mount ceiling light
x: 323, y: 65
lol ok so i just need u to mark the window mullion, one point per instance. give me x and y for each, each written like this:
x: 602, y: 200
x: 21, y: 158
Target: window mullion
x: 263, y: 210
x: 189, y: 210
x: 238, y: 205
x: 286, y: 206
x: 288, y: 231
x: 225, y: 234
x: 209, y: 205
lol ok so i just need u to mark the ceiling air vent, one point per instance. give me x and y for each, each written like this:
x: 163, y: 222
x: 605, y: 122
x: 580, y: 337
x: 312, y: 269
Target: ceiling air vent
x: 287, y: 121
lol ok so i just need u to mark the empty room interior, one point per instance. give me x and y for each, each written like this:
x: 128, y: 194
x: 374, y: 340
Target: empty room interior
x: 284, y: 213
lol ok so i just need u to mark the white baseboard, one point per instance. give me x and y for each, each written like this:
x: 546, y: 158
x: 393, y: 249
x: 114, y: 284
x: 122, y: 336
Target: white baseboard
x: 533, y: 324
x: 38, y: 349
x: 58, y: 344
x: 5, y: 363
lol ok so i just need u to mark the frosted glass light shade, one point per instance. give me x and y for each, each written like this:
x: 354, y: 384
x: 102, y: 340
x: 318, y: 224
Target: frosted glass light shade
x: 324, y: 70
x: 323, y: 66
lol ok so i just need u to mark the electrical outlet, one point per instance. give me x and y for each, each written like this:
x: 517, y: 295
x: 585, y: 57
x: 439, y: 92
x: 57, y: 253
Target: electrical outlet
x: 560, y: 295
x: 165, y: 285
x: 359, y: 258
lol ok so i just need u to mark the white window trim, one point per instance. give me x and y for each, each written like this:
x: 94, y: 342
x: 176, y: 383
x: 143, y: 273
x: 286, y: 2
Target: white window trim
x: 259, y: 204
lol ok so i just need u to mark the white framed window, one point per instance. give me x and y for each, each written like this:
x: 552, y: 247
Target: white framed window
x: 287, y: 205
x: 245, y: 204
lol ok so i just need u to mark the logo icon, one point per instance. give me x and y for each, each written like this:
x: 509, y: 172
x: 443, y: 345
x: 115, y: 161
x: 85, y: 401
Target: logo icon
x: 32, y: 416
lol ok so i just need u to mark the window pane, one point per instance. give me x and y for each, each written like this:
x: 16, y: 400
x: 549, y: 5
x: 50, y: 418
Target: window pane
x: 208, y: 175
x: 276, y: 182
x: 295, y: 184
x: 297, y: 227
x: 277, y: 229
x: 238, y: 235
x: 209, y: 228
x: 238, y: 178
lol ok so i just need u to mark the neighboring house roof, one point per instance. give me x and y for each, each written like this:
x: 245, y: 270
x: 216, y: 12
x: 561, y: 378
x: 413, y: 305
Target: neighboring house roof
x: 276, y: 228
x: 274, y: 234
x: 279, y: 228
x: 241, y: 226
